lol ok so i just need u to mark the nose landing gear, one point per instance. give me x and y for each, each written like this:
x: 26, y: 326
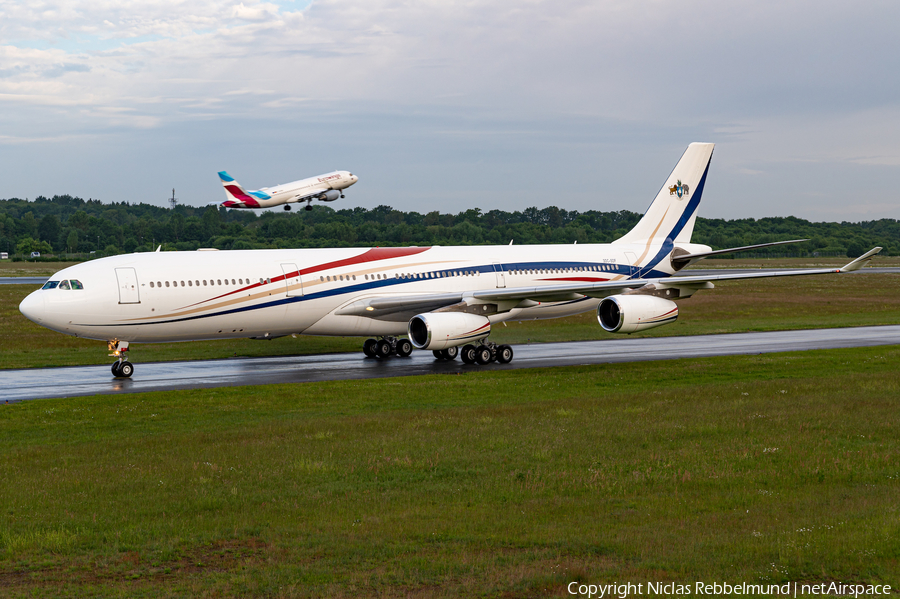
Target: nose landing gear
x: 121, y: 368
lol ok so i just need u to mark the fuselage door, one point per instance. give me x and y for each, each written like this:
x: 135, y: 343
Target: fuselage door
x: 292, y: 280
x: 632, y: 263
x: 501, y: 276
x: 128, y: 286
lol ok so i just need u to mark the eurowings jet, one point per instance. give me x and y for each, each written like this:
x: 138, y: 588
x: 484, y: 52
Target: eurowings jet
x: 446, y: 299
x: 325, y: 188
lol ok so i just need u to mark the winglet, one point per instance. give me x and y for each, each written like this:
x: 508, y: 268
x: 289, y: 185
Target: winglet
x: 861, y: 261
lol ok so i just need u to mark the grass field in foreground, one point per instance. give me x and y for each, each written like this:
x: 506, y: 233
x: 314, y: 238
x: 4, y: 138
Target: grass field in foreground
x: 784, y: 467
x: 794, y: 303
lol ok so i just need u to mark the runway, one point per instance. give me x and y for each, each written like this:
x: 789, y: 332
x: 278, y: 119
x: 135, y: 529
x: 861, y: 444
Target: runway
x: 37, y: 281
x: 76, y: 381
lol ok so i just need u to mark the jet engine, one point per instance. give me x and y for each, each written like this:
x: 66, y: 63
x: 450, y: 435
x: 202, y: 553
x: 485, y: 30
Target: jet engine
x: 440, y: 330
x: 630, y: 313
x: 329, y: 196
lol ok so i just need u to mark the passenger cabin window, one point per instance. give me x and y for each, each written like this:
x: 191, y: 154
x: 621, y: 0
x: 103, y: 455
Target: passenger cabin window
x: 50, y: 285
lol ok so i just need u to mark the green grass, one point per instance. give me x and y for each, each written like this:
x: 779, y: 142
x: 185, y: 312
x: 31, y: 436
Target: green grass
x: 31, y: 269
x: 797, y: 303
x: 768, y: 468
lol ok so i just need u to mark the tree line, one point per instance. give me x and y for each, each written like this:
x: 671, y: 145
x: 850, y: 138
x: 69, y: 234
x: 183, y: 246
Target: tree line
x: 65, y: 224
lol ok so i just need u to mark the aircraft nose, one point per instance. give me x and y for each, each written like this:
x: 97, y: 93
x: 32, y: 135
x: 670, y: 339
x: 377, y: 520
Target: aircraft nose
x: 32, y: 307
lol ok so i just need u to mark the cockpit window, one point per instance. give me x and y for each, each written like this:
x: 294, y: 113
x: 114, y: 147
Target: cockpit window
x: 76, y: 284
x: 64, y: 285
x: 50, y: 285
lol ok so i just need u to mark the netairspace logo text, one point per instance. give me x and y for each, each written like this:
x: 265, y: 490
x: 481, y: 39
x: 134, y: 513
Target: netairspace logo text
x: 718, y: 589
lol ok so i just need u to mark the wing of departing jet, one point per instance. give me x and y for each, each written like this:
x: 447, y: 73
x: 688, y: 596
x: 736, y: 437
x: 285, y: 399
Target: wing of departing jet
x: 401, y: 307
x: 325, y: 195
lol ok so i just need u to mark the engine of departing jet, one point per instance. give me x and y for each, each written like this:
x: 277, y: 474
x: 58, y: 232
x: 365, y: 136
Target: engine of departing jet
x: 329, y: 196
x: 440, y: 330
x: 631, y: 313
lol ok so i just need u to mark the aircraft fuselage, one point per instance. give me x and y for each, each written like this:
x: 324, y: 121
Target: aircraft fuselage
x: 182, y: 296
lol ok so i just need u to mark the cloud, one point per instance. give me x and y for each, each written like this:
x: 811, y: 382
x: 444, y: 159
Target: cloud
x: 580, y: 84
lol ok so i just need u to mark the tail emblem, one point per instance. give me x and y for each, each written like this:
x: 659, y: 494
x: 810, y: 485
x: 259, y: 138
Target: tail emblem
x: 679, y: 189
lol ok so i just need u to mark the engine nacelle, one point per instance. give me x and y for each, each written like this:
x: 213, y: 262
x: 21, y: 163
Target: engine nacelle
x: 630, y: 313
x: 330, y: 195
x: 440, y: 330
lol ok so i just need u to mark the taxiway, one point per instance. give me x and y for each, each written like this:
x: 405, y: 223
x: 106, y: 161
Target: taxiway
x: 76, y: 381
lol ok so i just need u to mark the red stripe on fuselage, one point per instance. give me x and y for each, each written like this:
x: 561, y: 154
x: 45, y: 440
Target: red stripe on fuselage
x: 582, y: 279
x: 372, y: 255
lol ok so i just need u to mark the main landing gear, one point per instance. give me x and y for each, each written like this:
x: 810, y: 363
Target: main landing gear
x: 486, y: 353
x: 482, y: 354
x: 121, y: 368
x: 384, y: 347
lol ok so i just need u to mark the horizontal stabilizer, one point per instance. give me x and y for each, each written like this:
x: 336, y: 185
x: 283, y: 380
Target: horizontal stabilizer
x: 684, y: 258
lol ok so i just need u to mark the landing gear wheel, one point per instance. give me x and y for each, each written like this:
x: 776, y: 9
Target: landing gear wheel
x: 484, y: 355
x: 308, y: 207
x: 448, y: 354
x: 404, y: 348
x: 126, y: 369
x: 468, y: 354
x: 382, y: 349
x: 504, y: 354
x: 369, y: 348
x: 115, y: 369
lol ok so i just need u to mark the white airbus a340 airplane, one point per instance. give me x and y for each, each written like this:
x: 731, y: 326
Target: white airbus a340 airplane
x: 325, y: 188
x: 443, y: 297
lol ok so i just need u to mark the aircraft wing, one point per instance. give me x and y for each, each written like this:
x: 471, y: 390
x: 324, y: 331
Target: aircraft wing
x: 605, y: 288
x: 400, y: 307
x: 312, y: 195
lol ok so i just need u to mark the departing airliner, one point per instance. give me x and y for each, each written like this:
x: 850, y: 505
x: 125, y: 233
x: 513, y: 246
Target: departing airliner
x: 444, y: 298
x: 325, y: 188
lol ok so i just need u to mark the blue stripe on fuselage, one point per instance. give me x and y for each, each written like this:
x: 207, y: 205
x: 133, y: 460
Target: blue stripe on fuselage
x: 669, y: 244
x: 618, y: 269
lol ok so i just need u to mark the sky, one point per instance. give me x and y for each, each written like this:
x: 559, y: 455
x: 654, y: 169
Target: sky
x: 450, y: 105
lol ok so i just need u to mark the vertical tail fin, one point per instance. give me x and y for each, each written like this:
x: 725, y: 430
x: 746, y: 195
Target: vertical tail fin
x: 236, y: 196
x: 672, y: 214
